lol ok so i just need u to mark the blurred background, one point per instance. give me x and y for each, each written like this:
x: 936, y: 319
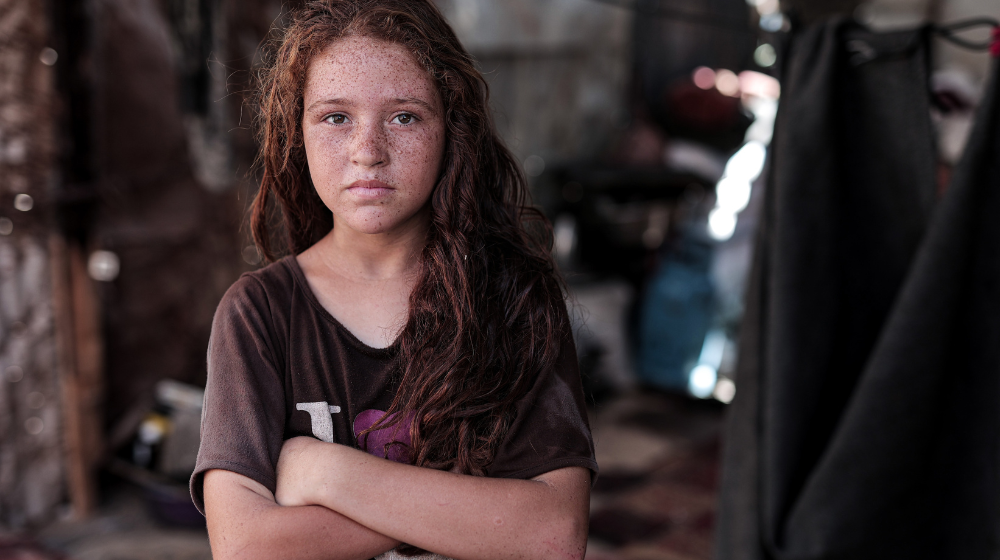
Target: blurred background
x: 125, y: 181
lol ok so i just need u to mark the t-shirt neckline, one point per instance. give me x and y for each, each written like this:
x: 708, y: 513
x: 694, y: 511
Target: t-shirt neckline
x: 300, y: 278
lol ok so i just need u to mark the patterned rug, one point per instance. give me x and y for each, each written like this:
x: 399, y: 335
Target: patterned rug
x: 655, y: 498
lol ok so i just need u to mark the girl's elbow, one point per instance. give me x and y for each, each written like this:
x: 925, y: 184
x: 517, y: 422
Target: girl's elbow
x: 234, y: 545
x: 234, y: 551
x: 565, y: 538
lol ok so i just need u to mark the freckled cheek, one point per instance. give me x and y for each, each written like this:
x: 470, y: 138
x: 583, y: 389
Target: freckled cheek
x: 326, y: 177
x: 425, y: 146
x: 327, y: 153
x: 421, y: 154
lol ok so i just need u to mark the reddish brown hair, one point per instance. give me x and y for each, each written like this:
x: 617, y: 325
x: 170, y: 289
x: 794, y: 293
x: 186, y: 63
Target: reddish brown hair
x: 487, y: 313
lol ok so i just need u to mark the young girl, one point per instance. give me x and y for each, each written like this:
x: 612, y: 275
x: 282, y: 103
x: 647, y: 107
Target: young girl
x: 408, y: 374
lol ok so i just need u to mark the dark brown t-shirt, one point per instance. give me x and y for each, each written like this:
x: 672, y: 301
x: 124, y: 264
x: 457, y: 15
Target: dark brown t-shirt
x: 280, y: 366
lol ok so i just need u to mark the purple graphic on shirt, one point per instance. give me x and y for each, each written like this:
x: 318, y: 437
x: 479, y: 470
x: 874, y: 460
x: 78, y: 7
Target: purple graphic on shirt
x: 375, y: 442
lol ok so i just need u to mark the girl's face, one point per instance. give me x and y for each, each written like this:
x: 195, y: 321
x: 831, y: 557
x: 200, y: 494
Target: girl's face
x: 373, y: 129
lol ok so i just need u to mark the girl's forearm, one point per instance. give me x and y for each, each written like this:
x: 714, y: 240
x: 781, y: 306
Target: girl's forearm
x: 245, y: 522
x: 454, y: 515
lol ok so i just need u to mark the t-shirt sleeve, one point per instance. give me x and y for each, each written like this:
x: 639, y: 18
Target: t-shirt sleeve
x: 550, y: 430
x: 243, y: 419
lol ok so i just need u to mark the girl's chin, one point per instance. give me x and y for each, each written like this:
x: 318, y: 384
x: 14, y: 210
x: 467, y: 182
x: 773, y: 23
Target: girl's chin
x: 376, y: 223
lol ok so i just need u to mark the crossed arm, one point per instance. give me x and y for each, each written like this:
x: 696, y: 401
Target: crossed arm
x: 339, y: 502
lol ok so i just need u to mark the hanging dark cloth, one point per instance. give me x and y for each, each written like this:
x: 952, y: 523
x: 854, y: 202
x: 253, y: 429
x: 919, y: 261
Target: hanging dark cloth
x: 867, y: 418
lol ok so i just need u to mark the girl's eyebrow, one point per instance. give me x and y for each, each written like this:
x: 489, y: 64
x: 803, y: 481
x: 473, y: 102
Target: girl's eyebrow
x: 335, y: 101
x: 416, y: 101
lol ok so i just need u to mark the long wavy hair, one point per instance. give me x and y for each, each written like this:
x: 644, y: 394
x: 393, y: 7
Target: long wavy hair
x: 487, y: 314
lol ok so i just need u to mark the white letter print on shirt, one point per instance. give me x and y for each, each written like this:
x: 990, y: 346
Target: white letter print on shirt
x: 322, y: 421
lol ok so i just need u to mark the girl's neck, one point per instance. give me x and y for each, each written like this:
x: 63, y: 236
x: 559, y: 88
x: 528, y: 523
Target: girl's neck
x: 374, y: 257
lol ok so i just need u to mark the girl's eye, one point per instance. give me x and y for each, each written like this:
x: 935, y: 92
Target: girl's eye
x: 404, y: 118
x: 336, y: 119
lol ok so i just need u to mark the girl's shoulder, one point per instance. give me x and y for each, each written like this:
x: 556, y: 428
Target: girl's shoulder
x: 267, y: 292
x: 274, y: 281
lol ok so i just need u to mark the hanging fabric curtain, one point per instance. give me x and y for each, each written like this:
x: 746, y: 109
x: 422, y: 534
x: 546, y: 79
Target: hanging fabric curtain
x: 867, y: 420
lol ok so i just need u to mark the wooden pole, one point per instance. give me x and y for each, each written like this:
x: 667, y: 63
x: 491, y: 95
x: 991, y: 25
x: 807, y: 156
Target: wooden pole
x: 80, y: 359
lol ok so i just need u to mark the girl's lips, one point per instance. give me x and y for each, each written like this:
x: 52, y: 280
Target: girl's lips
x: 369, y: 189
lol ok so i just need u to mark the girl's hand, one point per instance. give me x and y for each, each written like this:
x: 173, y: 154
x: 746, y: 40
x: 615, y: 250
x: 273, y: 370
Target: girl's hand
x: 297, y: 469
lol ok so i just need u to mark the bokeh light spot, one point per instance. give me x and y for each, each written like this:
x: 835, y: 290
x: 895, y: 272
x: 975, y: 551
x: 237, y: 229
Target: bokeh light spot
x: 702, y: 381
x: 534, y: 165
x: 765, y: 56
x: 48, y: 56
x: 727, y: 82
x: 725, y: 390
x: 34, y: 425
x: 103, y: 266
x: 251, y: 255
x: 703, y: 77
x: 721, y: 224
x: 24, y: 202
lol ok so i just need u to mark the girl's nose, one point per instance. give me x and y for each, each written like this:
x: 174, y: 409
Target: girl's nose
x: 370, y: 145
